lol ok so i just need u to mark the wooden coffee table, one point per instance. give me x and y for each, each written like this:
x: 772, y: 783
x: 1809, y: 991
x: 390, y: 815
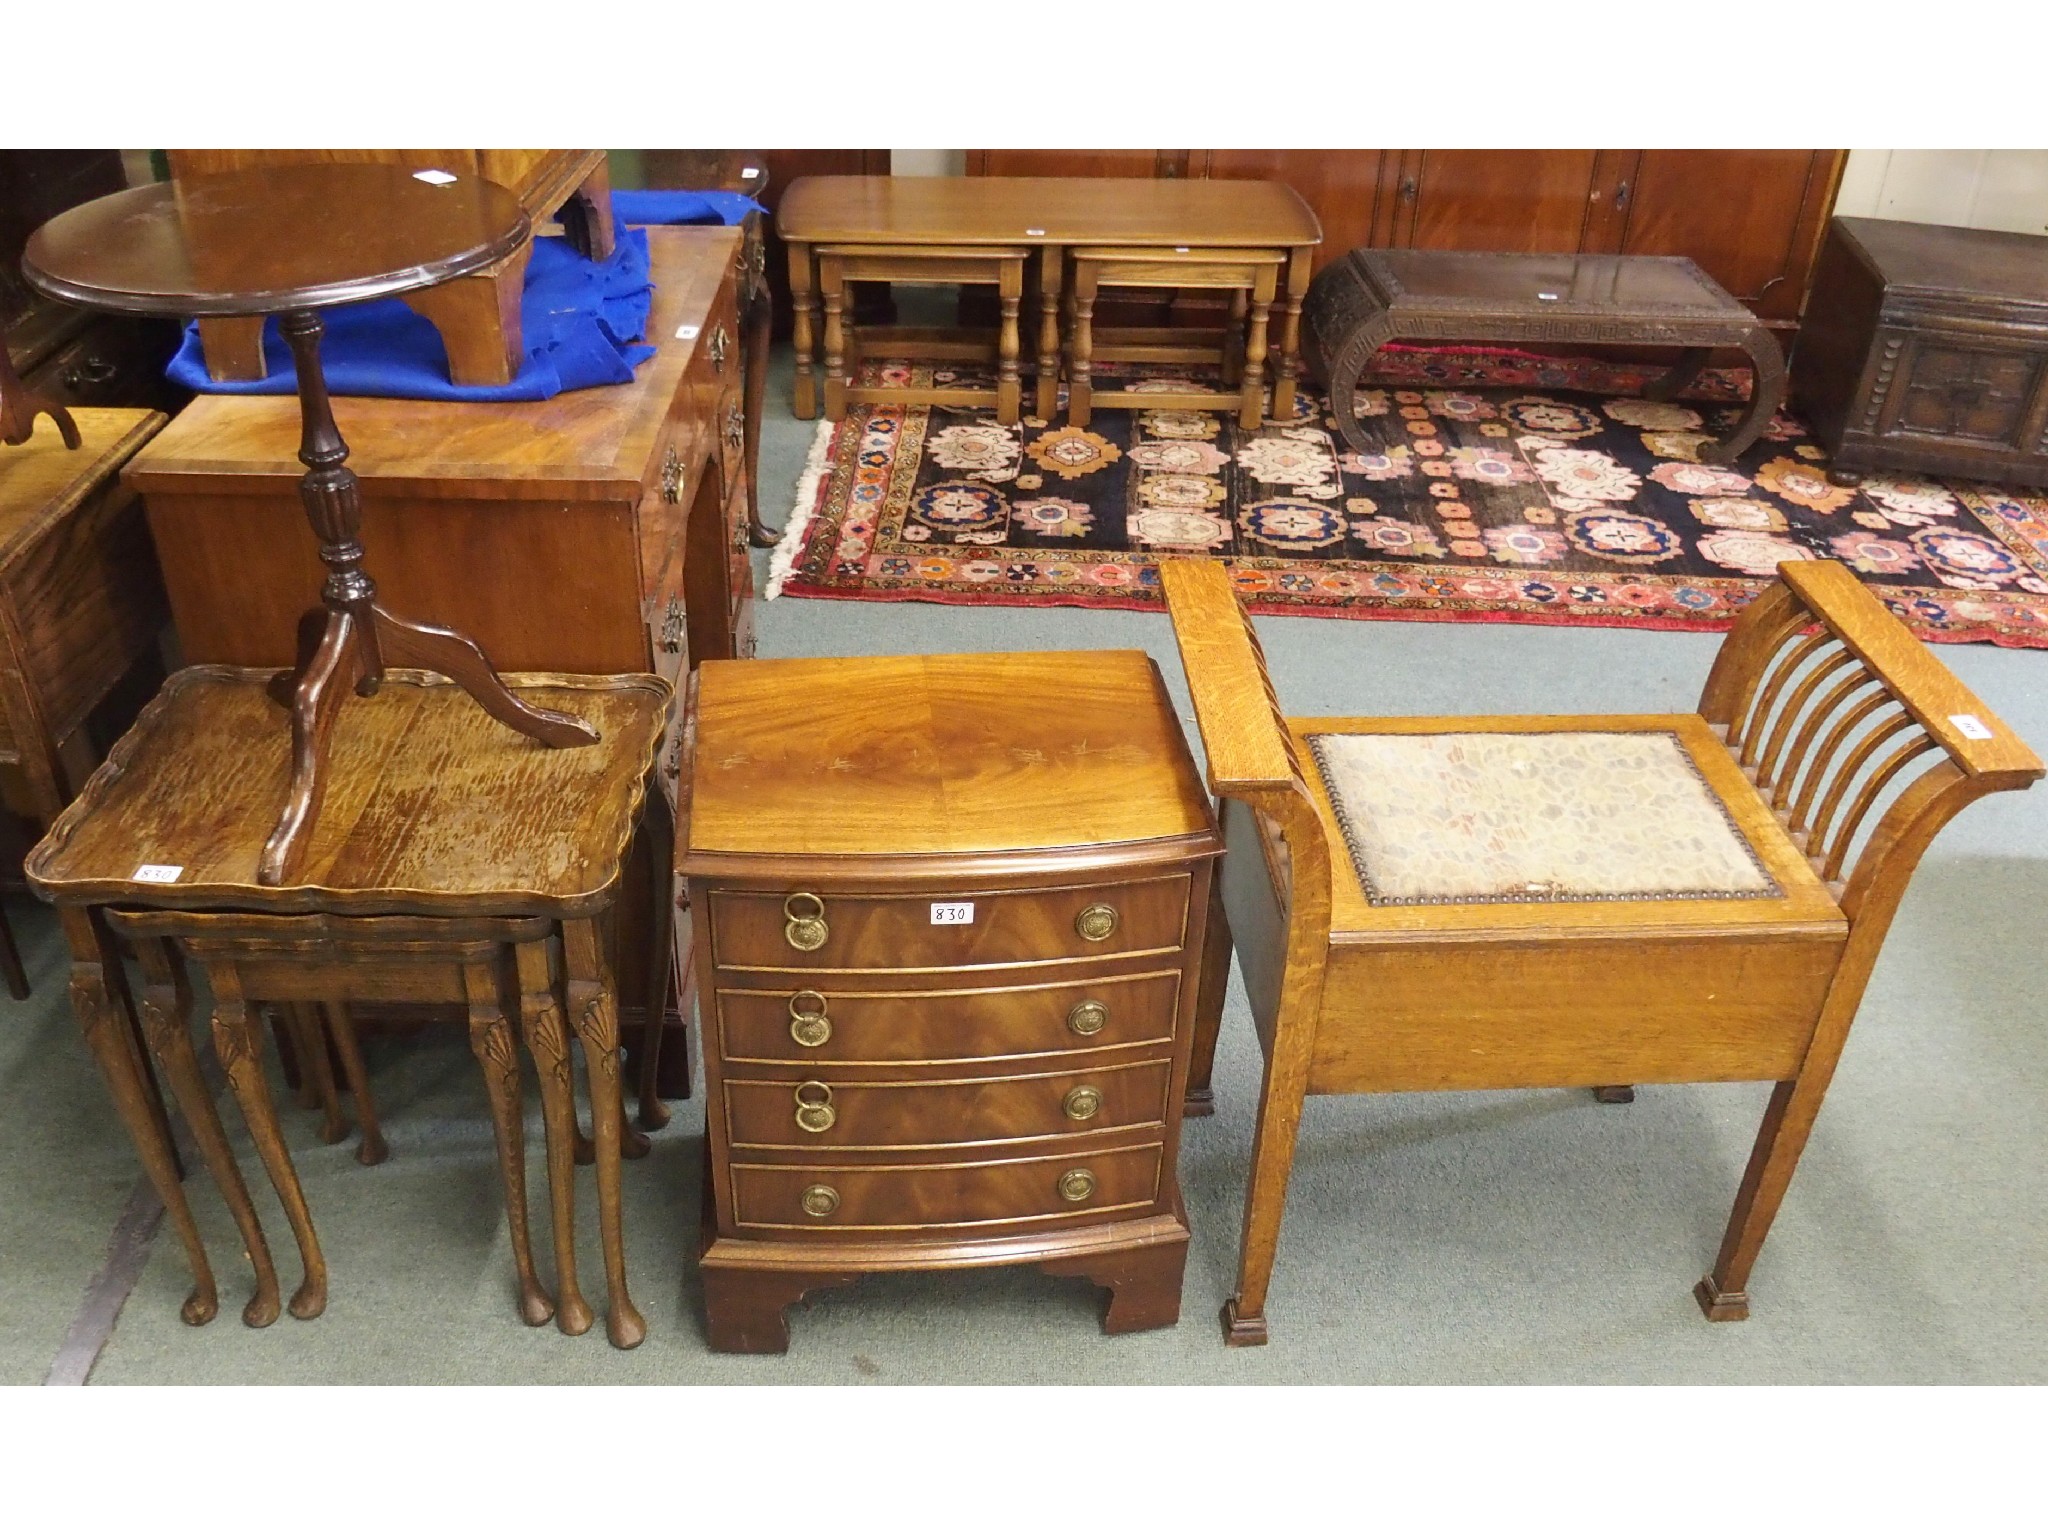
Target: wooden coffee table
x: 1371, y: 297
x: 1050, y: 215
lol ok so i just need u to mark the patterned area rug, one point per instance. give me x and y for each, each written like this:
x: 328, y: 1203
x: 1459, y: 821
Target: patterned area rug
x: 1501, y: 487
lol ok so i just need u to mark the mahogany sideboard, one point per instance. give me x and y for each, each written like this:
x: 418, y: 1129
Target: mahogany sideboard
x: 602, y: 531
x: 1751, y: 218
x: 1925, y: 350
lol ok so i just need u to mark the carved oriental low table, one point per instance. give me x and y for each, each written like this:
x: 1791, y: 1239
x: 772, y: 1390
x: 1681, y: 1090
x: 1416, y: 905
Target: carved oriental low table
x: 1371, y: 297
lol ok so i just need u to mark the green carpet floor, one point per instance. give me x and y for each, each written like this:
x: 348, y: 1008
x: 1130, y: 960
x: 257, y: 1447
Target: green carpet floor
x: 1516, y: 1237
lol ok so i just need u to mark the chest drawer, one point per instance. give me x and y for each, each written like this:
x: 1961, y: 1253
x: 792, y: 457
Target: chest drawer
x: 1072, y: 1188
x: 826, y: 1027
x: 803, y: 930
x: 812, y: 1114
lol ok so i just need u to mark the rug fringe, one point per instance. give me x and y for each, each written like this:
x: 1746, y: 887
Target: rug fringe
x: 782, y: 563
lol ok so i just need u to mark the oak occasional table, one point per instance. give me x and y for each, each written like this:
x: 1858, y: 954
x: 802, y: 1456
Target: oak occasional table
x: 453, y: 858
x: 1049, y: 216
x: 292, y: 241
x: 1371, y: 297
x: 950, y: 946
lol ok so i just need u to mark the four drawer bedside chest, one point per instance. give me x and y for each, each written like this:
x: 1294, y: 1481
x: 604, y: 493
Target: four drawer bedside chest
x: 951, y: 923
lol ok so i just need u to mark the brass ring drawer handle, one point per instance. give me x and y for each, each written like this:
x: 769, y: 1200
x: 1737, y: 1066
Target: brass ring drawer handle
x: 814, y: 1111
x: 1081, y: 1103
x: 820, y: 1200
x: 1096, y: 923
x: 1087, y: 1017
x: 808, y: 1026
x: 806, y: 929
x: 1076, y: 1185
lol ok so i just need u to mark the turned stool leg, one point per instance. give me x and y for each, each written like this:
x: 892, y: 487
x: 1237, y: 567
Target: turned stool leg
x: 540, y: 1017
x: 1233, y: 339
x: 490, y: 1037
x: 1288, y: 373
x: 1081, y: 347
x: 166, y: 1007
x: 1009, y: 390
x: 1048, y: 387
x: 803, y: 304
x: 1252, y: 412
x: 593, y: 1006
x: 235, y: 1043
x: 832, y: 280
x: 96, y: 999
x: 372, y: 1149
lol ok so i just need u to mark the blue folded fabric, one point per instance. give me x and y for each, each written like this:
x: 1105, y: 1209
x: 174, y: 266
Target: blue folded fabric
x: 582, y: 322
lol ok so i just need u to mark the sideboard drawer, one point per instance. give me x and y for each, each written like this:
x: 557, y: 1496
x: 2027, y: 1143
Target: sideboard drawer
x: 854, y: 1028
x: 826, y: 1198
x: 812, y: 1113
x: 802, y: 930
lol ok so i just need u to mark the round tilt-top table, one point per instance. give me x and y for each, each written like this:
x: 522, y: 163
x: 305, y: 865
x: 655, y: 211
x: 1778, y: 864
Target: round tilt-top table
x: 291, y: 241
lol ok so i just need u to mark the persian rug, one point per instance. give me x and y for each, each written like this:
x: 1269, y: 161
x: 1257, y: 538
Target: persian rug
x: 1498, y: 486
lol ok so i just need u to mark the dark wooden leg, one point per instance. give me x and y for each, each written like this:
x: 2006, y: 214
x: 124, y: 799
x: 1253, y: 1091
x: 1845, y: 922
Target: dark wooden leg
x: 405, y: 642
x: 587, y: 216
x: 759, y: 324
x: 309, y: 1039
x: 232, y: 347
x: 1766, y: 394
x: 490, y: 1038
x: 235, y: 1042
x: 97, y: 998
x: 744, y: 1308
x: 593, y: 1006
x: 1143, y: 1284
x: 658, y: 827
x: 10, y: 962
x: 317, y: 700
x: 540, y: 1017
x: 372, y: 1149
x: 1210, y: 992
x: 282, y: 1035
x: 1681, y: 374
x: 166, y: 1005
x: 479, y: 320
x: 1344, y: 371
x: 1620, y: 1093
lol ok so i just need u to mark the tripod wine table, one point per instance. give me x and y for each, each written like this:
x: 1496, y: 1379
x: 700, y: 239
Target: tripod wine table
x: 291, y: 241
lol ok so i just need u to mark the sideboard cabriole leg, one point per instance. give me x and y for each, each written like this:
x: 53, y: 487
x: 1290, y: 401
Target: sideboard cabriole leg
x: 540, y: 1017
x: 593, y: 1007
x: 96, y: 998
x: 236, y: 1042
x: 372, y: 1149
x: 166, y: 1006
x: 490, y: 1039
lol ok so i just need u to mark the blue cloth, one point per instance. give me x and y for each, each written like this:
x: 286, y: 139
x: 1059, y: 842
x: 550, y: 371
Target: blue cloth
x: 582, y: 322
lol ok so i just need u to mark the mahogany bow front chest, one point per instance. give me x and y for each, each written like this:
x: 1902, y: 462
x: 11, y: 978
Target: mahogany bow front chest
x: 1925, y: 349
x: 949, y: 941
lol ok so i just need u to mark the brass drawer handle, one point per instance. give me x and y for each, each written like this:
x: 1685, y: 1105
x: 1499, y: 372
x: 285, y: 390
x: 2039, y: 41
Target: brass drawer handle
x: 1082, y: 1103
x: 1076, y: 1185
x: 814, y: 1111
x: 1096, y: 923
x: 735, y: 427
x: 805, y: 930
x: 672, y: 476
x: 808, y: 1026
x: 672, y: 626
x: 820, y: 1200
x: 1087, y: 1017
x: 719, y: 342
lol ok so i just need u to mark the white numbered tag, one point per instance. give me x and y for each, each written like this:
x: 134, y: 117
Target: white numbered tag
x: 952, y: 912
x: 159, y: 874
x: 1971, y: 727
x: 686, y: 333
x: 434, y: 178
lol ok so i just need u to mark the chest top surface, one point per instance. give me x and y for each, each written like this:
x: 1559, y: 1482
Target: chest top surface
x: 940, y: 755
x: 430, y: 806
x: 585, y: 444
x: 41, y: 479
x: 1939, y: 258
x: 262, y: 241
